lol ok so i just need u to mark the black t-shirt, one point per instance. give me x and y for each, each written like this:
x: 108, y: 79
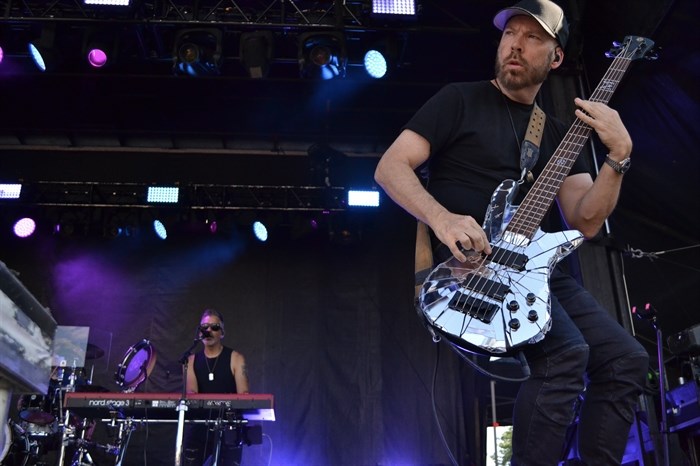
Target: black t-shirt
x: 473, y: 146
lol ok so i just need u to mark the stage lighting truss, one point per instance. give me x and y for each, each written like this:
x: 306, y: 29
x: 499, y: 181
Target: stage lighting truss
x: 322, y: 55
x: 198, y: 52
x: 207, y: 197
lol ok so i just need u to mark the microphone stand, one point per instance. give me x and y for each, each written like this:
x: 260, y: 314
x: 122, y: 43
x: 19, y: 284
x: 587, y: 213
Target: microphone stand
x: 649, y: 313
x: 182, y: 405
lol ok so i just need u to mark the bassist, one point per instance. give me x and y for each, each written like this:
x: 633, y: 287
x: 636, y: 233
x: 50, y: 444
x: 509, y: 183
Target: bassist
x: 469, y: 136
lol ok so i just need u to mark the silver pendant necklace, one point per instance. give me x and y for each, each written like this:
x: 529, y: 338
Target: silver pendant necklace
x: 211, y: 369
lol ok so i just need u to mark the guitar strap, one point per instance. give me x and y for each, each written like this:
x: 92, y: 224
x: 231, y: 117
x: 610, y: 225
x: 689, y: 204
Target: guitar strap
x: 529, y: 152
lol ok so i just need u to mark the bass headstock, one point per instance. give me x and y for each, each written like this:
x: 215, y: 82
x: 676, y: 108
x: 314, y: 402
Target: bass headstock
x: 633, y: 48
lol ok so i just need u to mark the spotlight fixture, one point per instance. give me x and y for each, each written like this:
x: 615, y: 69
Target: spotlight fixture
x: 160, y: 230
x: 42, y: 50
x: 121, y: 224
x: 2, y: 54
x: 375, y: 63
x: 256, y: 52
x: 197, y: 52
x: 260, y: 231
x: 322, y: 55
x: 381, y: 57
x: 99, y: 47
x: 24, y: 227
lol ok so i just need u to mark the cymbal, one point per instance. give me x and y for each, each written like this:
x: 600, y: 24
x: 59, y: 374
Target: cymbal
x: 36, y: 416
x: 94, y: 352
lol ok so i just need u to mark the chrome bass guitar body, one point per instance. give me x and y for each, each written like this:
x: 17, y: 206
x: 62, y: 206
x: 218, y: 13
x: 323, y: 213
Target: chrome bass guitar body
x: 496, y: 303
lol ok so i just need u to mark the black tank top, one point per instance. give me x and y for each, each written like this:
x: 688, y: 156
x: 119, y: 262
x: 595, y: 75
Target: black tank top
x: 223, y: 380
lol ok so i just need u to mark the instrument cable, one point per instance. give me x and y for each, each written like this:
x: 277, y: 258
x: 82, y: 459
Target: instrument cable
x: 434, y: 405
x: 463, y: 355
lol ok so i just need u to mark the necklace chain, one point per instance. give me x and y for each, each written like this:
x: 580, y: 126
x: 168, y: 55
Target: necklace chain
x: 211, y: 369
x: 510, y: 116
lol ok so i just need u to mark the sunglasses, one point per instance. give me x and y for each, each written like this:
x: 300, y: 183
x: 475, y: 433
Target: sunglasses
x: 213, y: 327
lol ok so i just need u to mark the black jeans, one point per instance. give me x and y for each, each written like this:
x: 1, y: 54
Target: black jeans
x: 587, y: 348
x: 200, y: 446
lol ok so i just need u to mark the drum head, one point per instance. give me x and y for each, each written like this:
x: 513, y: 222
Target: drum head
x: 36, y: 409
x: 136, y: 366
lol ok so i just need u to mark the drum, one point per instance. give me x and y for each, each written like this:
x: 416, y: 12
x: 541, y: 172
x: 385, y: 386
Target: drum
x: 19, y: 449
x: 137, y: 365
x: 35, y: 409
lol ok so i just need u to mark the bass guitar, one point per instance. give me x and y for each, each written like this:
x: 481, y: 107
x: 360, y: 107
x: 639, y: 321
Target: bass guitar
x: 494, y: 304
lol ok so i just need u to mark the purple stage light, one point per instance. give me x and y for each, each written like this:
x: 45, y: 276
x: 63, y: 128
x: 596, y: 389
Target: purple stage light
x: 24, y: 227
x: 213, y: 226
x: 2, y: 54
x: 97, y: 58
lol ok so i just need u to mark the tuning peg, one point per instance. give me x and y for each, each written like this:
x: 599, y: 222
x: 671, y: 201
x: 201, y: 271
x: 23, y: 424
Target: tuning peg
x: 615, y: 50
x: 653, y: 54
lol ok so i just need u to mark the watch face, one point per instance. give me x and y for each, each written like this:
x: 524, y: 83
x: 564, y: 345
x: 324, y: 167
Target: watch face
x: 625, y: 165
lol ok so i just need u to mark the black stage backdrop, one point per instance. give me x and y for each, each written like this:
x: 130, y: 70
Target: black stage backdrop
x: 329, y: 329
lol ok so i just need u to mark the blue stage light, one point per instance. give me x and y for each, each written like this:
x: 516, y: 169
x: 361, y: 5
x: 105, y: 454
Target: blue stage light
x: 160, y: 229
x: 260, y: 231
x: 375, y: 64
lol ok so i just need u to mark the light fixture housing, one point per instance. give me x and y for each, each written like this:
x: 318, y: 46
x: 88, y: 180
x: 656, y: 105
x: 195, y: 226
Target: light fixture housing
x: 42, y: 50
x: 100, y: 47
x: 256, y: 51
x: 198, y: 52
x: 322, y: 55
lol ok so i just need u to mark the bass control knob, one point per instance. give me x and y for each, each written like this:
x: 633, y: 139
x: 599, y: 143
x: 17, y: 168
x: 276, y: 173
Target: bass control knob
x: 531, y: 298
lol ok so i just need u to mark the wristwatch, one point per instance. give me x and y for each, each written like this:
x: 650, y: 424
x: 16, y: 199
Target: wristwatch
x: 620, y: 167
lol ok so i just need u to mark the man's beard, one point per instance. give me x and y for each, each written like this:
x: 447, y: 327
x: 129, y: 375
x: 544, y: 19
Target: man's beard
x: 530, y: 75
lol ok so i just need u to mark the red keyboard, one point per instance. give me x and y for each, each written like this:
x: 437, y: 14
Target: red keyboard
x: 200, y: 406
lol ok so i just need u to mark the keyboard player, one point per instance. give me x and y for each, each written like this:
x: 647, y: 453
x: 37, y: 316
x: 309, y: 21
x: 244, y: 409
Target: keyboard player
x: 215, y: 369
